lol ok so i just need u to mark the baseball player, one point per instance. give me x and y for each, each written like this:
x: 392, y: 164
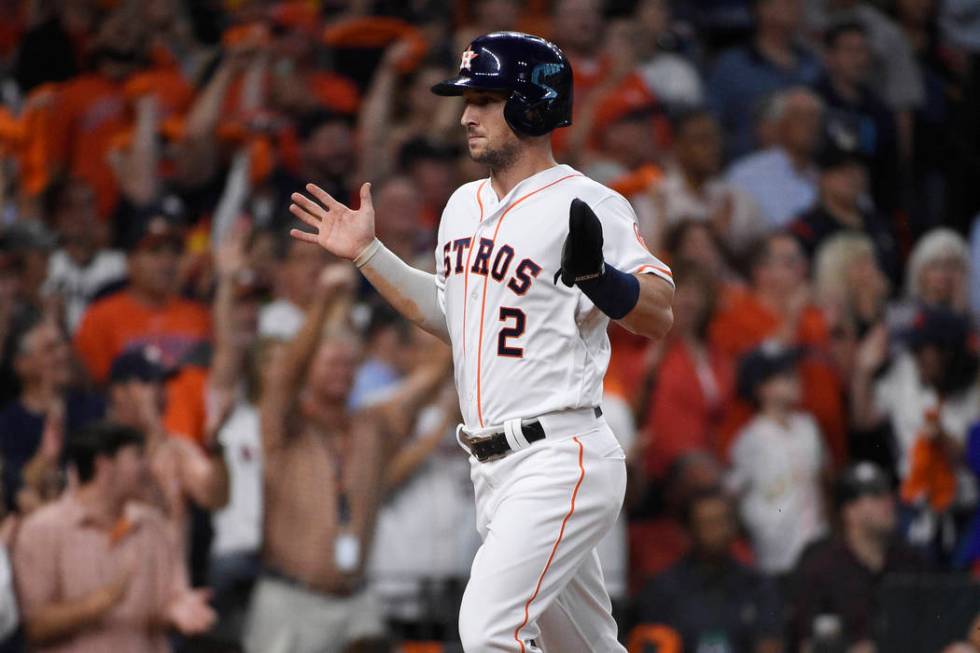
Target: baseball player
x: 531, y: 264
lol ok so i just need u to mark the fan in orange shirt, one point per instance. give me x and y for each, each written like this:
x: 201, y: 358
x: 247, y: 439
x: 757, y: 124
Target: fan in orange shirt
x: 92, y: 108
x: 777, y: 305
x: 148, y: 311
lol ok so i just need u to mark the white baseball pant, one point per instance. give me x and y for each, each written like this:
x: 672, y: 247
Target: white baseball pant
x: 535, y: 584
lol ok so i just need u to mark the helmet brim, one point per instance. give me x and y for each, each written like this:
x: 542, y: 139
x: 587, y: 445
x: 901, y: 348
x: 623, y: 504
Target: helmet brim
x: 460, y: 83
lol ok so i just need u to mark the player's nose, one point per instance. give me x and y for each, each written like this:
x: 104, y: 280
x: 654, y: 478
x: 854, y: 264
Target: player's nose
x: 469, y: 116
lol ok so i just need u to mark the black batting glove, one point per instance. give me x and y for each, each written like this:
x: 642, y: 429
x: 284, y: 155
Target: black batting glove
x: 581, y: 255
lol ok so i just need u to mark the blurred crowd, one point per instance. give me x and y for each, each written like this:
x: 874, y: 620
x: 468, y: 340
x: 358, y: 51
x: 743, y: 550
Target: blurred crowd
x: 215, y: 438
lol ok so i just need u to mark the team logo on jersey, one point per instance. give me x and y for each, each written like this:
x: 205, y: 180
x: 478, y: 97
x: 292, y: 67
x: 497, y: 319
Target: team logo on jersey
x: 468, y: 57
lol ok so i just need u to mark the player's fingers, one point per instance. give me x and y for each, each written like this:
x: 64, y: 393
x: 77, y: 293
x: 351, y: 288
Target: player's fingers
x: 306, y: 237
x: 366, y: 201
x: 325, y: 198
x: 308, y: 205
x: 304, y: 215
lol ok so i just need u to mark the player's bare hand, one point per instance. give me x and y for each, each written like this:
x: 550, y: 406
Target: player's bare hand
x: 340, y: 230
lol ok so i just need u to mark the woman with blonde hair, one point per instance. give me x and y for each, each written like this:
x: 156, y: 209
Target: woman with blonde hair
x: 849, y: 282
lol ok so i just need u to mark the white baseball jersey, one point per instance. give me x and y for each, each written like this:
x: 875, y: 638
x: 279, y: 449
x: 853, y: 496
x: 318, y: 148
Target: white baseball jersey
x: 523, y: 345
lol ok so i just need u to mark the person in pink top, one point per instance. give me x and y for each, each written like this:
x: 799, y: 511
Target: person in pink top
x: 96, y: 570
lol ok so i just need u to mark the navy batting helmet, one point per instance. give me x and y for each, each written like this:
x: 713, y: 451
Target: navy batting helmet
x: 535, y: 72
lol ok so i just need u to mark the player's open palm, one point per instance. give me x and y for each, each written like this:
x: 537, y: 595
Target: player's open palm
x: 340, y: 230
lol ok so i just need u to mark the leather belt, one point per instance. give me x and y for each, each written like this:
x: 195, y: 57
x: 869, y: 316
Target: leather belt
x: 495, y: 445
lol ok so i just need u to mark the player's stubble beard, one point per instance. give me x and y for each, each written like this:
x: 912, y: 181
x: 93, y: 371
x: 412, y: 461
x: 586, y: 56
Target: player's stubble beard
x: 499, y: 158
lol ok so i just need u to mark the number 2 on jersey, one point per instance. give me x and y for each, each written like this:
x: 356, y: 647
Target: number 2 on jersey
x: 515, y: 331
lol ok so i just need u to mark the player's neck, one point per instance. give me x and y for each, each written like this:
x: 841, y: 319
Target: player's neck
x: 530, y: 162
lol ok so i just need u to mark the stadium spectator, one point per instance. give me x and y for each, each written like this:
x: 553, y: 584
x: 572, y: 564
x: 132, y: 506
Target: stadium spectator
x: 779, y: 462
x: 182, y: 471
x: 420, y: 555
x: 840, y: 575
x: 937, y: 271
x: 695, y: 380
x: 841, y: 205
x: 293, y: 292
x: 97, y: 570
x: 233, y: 388
x: 46, y: 401
x: 783, y: 178
x: 670, y: 75
x: 697, y: 242
x: 149, y: 311
x: 856, y: 118
x: 323, y: 482
x: 693, y: 190
x: 778, y: 305
x: 83, y: 267
x: 745, y: 77
x: 389, y: 119
x: 849, y: 284
x: 387, y: 357
x: 930, y: 389
x: 895, y: 75
x: 400, y: 218
x: 91, y: 108
x: 695, y: 597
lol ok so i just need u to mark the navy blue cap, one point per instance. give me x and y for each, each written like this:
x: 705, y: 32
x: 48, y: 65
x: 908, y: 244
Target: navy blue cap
x: 860, y: 479
x: 142, y: 364
x: 762, y: 363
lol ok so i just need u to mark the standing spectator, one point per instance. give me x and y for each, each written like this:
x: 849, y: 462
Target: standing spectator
x: 695, y: 381
x: 840, y: 576
x: 895, y: 76
x: 25, y: 247
x: 856, y: 113
x: 778, y: 462
x: 297, y: 264
x: 83, y: 267
x: 421, y: 556
x: 697, y: 242
x: 693, y: 190
x: 388, y: 342
x: 44, y: 369
x: 233, y: 389
x: 841, y: 205
x: 931, y: 384
x: 323, y: 481
x: 783, y: 178
x: 778, y: 305
x: 712, y: 600
x: 148, y: 311
x: 182, y: 470
x: 937, y: 271
x: 400, y: 218
x: 671, y: 77
x: 744, y: 77
x: 91, y: 109
x: 97, y: 570
x: 383, y: 130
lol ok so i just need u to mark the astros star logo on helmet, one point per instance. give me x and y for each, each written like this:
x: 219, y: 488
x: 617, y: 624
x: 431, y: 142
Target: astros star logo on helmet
x: 468, y: 57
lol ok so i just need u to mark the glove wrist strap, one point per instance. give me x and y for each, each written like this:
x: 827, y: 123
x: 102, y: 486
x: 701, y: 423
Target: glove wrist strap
x: 615, y: 293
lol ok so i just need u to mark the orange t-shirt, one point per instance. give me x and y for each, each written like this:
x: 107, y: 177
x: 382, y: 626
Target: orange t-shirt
x: 91, y: 111
x: 185, y: 414
x: 119, y: 322
x: 743, y: 323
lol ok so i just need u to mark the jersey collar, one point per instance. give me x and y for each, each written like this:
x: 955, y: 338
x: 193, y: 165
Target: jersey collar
x: 493, y: 205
